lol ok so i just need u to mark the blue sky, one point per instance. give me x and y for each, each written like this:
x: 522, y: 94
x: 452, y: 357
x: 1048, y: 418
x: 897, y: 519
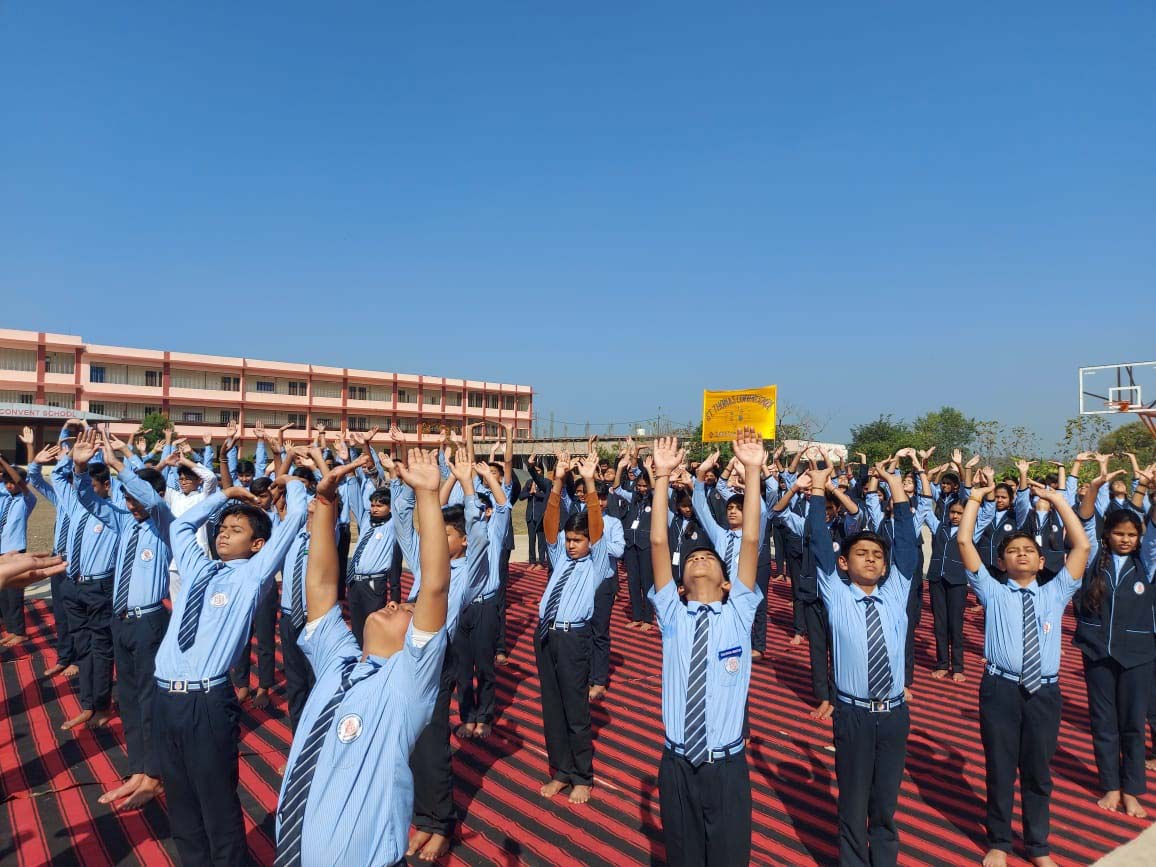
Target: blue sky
x: 620, y: 204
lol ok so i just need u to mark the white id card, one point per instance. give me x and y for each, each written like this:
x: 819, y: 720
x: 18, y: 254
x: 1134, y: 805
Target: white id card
x: 675, y: 558
x: 634, y: 526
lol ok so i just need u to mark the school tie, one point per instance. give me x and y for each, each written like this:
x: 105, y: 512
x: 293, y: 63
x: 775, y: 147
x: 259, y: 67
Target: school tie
x: 4, y: 513
x: 878, y: 665
x: 62, y: 538
x: 361, y: 543
x: 187, y: 634
x: 77, y: 539
x: 120, y: 603
x: 554, y: 600
x: 298, y: 604
x: 730, y: 551
x: 694, y: 725
x: 292, y: 807
x: 1030, y: 674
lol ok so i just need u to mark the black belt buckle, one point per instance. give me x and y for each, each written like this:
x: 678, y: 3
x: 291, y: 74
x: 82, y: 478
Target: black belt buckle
x: 881, y: 705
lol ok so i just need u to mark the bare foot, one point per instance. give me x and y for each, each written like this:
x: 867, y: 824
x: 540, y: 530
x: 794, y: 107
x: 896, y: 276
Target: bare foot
x: 995, y: 858
x: 501, y: 659
x: 282, y: 770
x: 974, y: 609
x: 122, y: 791
x: 645, y: 627
x: 552, y: 788
x: 959, y: 677
x: 72, y: 671
x: 465, y: 730
x: 13, y: 640
x: 823, y: 711
x: 579, y: 794
x: 53, y: 670
x: 243, y: 693
x: 145, y: 792
x: 907, y: 693
x: 633, y: 624
x: 78, y: 720
x: 940, y: 674
x: 417, y: 839
x: 435, y: 847
x: 796, y: 640
x: 1132, y: 807
x: 1044, y: 861
x: 261, y: 697
x: 1150, y: 764
x: 1110, y: 801
x: 482, y: 730
x: 756, y: 655
x: 100, y: 719
x: 597, y: 690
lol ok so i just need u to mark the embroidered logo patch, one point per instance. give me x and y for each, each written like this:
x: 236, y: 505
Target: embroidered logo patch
x: 349, y: 728
x: 835, y: 545
x: 1138, y: 587
x: 98, y: 528
x: 1007, y: 528
x: 219, y: 600
x: 731, y: 665
x: 1047, y: 627
x: 694, y: 535
x: 648, y: 508
x: 146, y: 555
x: 378, y: 536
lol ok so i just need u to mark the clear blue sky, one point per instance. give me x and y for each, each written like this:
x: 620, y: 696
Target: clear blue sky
x: 618, y: 203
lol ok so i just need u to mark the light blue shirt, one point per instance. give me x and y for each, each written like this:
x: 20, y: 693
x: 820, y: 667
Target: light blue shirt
x: 99, y: 541
x: 615, y: 537
x: 719, y: 536
x: 577, y: 601
x: 231, y: 596
x: 373, y: 552
x: 728, y: 672
x: 360, y: 800
x: 1003, y: 623
x: 495, y: 526
x: 44, y: 487
x: 14, y: 512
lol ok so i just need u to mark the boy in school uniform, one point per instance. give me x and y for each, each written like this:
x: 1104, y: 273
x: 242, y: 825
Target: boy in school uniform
x: 371, y: 563
x: 16, y: 504
x: 635, y: 492
x: 868, y: 621
x: 562, y: 640
x: 347, y: 796
x: 1019, y: 697
x: 703, y: 780
x: 535, y: 498
x: 197, y: 714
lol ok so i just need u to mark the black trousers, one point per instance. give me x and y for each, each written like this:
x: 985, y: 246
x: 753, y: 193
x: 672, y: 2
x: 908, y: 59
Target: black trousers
x: 537, y: 542
x: 265, y: 629
x: 90, y: 620
x: 196, y: 738
x: 759, y: 627
x: 395, y: 574
x: 503, y: 586
x: 793, y: 558
x: 1118, y: 706
x: 474, y: 644
x: 65, y: 642
x: 1019, y: 732
x: 563, y: 668
x: 914, y: 615
x: 604, y: 598
x: 12, y: 609
x: 639, y: 579
x: 947, y: 604
x: 706, y: 811
x: 134, y: 647
x: 870, y: 751
x: 299, y: 677
x: 818, y: 632
x: 343, y: 535
x: 365, y: 597
x: 433, y: 782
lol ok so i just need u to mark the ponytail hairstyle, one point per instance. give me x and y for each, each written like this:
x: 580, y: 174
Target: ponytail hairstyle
x: 1098, y: 582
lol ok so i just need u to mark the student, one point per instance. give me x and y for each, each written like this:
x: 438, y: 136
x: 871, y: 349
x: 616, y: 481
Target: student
x: 371, y: 563
x: 197, y: 712
x: 1114, y: 611
x: 635, y: 492
x: 562, y: 640
x: 1019, y: 697
x: 535, y: 498
x: 370, y: 702
x: 704, y: 785
x: 604, y: 597
x: 868, y: 622
x: 1010, y: 513
x: 139, y: 617
x: 16, y: 504
x: 684, y: 532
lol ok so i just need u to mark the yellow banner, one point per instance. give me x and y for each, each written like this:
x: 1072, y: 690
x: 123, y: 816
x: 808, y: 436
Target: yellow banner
x: 724, y: 412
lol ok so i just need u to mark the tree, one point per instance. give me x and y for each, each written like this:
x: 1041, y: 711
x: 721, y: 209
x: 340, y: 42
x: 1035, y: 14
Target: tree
x: 946, y: 428
x: 1132, y: 437
x: 881, y: 438
x: 1082, y: 433
x: 153, y: 425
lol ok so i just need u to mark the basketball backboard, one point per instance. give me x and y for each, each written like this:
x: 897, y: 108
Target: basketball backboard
x: 1114, y: 388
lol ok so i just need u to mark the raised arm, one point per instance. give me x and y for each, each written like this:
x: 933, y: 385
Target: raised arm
x: 551, y: 517
x: 749, y: 449
x: 322, y: 573
x: 422, y: 475
x: 586, y: 469
x: 1079, y: 546
x: 965, y: 535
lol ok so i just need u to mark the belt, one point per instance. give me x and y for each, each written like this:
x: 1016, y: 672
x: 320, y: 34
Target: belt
x: 183, y: 686
x: 483, y: 597
x: 141, y: 611
x: 89, y: 579
x: 1008, y: 675
x: 883, y: 705
x: 732, y: 749
x: 563, y: 626
x: 363, y: 577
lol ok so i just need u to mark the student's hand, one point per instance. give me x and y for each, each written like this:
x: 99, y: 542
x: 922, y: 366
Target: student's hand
x: 370, y: 434
x: 974, y: 462
x: 924, y: 454
x: 981, y: 488
x: 236, y: 492
x: 820, y: 476
x: 460, y: 467
x: 1023, y: 466
x: 27, y: 437
x: 341, y: 448
x: 20, y: 570
x: 422, y: 473
x: 396, y: 435
x: 486, y: 472
x: 1050, y: 495
x: 1104, y: 477
x: 588, y: 467
x: 623, y: 460
x: 171, y: 460
x: 803, y: 482
x: 532, y: 461
x: 1086, y: 456
x: 329, y: 483
x: 207, y: 439
x: 84, y: 448
x: 48, y: 454
x: 561, y: 466
x: 883, y: 472
x: 142, y: 446
x: 749, y: 450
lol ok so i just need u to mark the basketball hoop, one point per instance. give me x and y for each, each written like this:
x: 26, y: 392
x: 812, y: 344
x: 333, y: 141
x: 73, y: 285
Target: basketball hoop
x: 1148, y: 416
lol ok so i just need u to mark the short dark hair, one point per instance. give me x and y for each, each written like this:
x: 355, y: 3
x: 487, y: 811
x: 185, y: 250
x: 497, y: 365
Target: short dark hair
x: 99, y: 473
x: 23, y: 473
x: 1008, y: 489
x: 949, y: 477
x: 188, y: 473
x: 485, y: 502
x: 455, y: 516
x: 579, y: 522
x: 603, y: 490
x: 1018, y: 534
x: 736, y: 499
x: 246, y: 468
x: 153, y: 477
x: 260, y: 485
x: 259, y: 522
x: 381, y: 495
x: 865, y: 536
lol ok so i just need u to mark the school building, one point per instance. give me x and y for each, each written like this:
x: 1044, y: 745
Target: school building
x: 45, y: 378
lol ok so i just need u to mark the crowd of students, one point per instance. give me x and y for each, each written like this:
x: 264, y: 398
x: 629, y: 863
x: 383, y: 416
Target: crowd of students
x: 165, y: 562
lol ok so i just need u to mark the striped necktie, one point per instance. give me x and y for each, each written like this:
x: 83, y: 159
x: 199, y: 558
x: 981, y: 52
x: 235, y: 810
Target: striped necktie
x: 1030, y: 673
x: 298, y: 600
x: 62, y: 536
x: 296, y: 797
x: 194, y: 601
x: 694, y: 720
x: 730, y: 552
x: 120, y: 603
x: 361, y: 543
x: 554, y: 600
x: 879, y: 681
x: 77, y: 540
x: 8, y: 501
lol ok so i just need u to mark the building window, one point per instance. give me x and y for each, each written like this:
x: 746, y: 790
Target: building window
x: 149, y: 410
x: 59, y: 362
x: 296, y: 418
x: 298, y: 389
x: 328, y: 422
x: 230, y: 383
x: 228, y: 415
x: 193, y: 416
x: 152, y: 378
x: 476, y: 399
x: 492, y: 401
x: 358, y: 422
x: 404, y: 395
x: 358, y: 392
x: 18, y: 359
x: 522, y: 433
x: 508, y: 401
x: 25, y: 397
x: 266, y: 387
x: 407, y: 425
x: 326, y: 389
x: 96, y: 373
x: 432, y: 398
x: 453, y: 398
x: 97, y: 408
